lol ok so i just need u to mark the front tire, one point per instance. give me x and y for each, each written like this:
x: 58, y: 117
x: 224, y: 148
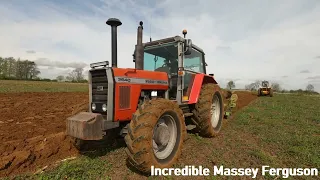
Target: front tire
x: 259, y: 92
x: 209, y: 111
x: 155, y: 135
x: 271, y: 93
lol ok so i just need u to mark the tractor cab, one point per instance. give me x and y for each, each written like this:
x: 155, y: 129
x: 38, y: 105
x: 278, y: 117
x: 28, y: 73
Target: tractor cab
x: 179, y: 58
x: 265, y: 84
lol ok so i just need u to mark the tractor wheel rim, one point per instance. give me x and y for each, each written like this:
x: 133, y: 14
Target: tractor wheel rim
x: 215, y: 111
x: 164, y: 137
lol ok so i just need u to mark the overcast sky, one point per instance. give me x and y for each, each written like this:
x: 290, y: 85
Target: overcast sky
x: 244, y: 41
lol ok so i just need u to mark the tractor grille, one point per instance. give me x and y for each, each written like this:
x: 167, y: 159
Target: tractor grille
x: 124, y: 97
x: 99, y: 86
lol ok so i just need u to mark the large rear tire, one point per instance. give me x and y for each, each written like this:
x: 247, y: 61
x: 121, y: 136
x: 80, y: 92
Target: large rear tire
x: 155, y: 135
x: 259, y: 92
x: 209, y: 111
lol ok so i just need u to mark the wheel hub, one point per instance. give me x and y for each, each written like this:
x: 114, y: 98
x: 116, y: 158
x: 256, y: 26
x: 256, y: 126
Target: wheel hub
x: 162, y: 134
x: 215, y: 111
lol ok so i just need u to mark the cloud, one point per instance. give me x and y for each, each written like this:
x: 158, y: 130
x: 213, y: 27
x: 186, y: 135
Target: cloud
x: 59, y: 64
x: 234, y: 80
x: 314, y: 77
x: 223, y: 48
x: 284, y: 76
x: 242, y: 40
x: 31, y: 52
x: 305, y: 71
x: 317, y: 57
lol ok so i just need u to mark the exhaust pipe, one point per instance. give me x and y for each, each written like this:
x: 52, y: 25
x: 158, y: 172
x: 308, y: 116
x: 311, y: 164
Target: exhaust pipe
x: 139, y: 49
x: 114, y: 23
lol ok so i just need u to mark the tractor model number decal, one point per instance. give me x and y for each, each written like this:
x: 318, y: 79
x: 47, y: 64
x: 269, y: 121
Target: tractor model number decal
x: 140, y: 81
x: 120, y: 79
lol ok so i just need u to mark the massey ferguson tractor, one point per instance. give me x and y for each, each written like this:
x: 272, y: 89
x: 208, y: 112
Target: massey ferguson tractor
x: 265, y: 89
x: 152, y: 104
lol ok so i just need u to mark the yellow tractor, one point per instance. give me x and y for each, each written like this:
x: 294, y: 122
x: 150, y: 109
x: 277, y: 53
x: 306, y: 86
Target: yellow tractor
x: 265, y: 89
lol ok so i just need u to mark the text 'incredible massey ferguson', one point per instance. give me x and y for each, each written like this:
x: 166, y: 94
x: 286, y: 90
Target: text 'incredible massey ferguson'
x: 153, y: 104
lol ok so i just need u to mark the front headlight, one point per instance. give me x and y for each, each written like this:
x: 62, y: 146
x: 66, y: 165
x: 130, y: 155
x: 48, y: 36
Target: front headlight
x: 104, y: 107
x: 93, y: 106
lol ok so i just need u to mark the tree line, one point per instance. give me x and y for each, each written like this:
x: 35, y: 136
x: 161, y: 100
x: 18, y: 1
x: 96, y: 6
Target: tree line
x: 11, y: 68
x: 254, y: 86
x: 18, y: 69
x: 74, y: 76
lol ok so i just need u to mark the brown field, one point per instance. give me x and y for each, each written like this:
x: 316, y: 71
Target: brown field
x: 32, y: 128
x: 33, y: 124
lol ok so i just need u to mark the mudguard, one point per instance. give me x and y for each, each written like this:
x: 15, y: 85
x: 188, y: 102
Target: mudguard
x: 198, y: 81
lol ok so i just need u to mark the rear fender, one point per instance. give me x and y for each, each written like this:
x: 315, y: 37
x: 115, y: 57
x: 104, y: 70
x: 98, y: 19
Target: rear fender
x: 199, y: 80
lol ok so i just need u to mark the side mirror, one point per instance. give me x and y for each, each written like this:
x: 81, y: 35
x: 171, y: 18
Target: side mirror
x: 187, y: 52
x: 187, y: 46
x: 211, y: 74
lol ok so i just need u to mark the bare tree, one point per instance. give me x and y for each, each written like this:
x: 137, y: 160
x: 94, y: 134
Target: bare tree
x: 69, y: 78
x: 34, y: 71
x: 11, y: 66
x: 253, y: 86
x: 79, y: 74
x: 1, y: 67
x: 231, y: 85
x: 76, y: 75
x: 276, y: 87
x: 60, y: 78
x: 310, y: 88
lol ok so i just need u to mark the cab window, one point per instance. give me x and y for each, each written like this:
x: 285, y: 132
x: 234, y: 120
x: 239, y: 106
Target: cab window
x: 194, y: 61
x: 161, y: 56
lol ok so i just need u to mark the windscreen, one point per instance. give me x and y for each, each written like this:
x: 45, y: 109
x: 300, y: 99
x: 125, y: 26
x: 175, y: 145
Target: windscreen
x: 159, y: 56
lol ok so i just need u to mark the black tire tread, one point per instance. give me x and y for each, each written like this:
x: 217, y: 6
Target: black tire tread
x: 202, y: 110
x: 139, y: 138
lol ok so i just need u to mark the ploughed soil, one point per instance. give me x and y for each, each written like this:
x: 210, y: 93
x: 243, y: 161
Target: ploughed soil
x: 32, y: 127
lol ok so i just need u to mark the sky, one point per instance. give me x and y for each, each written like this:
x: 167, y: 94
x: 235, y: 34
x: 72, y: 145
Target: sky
x: 244, y: 41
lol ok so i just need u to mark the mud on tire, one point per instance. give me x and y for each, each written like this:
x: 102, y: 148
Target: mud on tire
x: 141, y: 131
x: 202, y: 110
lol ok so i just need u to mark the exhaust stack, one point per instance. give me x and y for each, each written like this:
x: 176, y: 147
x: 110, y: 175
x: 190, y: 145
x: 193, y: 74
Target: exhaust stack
x: 139, y: 48
x: 114, y: 23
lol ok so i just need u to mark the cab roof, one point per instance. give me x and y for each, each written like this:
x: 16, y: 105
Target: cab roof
x: 170, y: 40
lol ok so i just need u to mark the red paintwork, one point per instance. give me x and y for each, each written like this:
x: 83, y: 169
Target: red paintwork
x: 199, y: 79
x: 126, y: 114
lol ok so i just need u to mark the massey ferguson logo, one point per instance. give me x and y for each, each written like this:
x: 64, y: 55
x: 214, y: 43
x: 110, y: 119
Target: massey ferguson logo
x: 124, y: 79
x: 99, y: 88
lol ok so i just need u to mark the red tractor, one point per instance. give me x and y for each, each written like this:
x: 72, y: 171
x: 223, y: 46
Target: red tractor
x: 152, y: 104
